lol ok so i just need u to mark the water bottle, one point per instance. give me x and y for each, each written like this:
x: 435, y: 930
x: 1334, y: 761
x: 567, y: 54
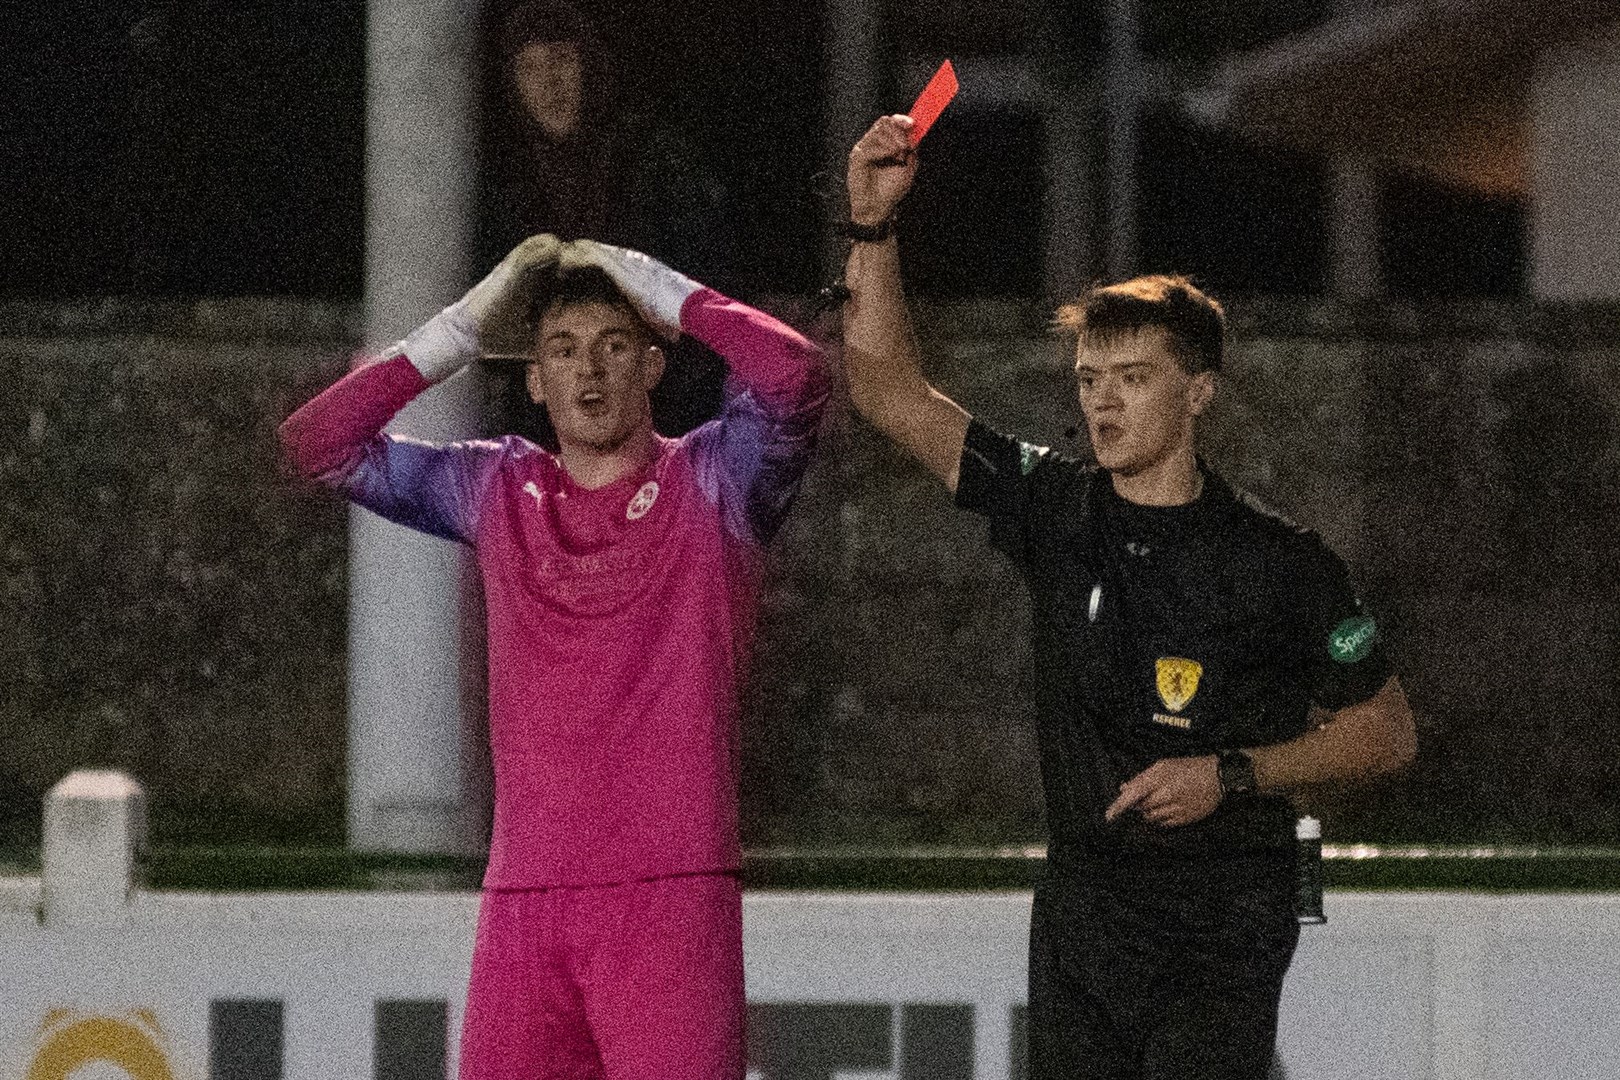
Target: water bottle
x: 1308, y: 871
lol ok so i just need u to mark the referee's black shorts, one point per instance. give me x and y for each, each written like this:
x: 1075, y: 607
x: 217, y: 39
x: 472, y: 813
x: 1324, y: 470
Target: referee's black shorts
x: 1160, y: 967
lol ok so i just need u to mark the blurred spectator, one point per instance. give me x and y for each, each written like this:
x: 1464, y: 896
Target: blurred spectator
x: 565, y: 156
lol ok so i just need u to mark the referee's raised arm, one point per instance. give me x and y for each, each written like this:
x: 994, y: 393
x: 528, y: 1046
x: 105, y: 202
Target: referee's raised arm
x: 881, y: 356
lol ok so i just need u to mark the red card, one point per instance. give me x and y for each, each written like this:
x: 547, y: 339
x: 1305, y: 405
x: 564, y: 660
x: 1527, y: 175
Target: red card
x: 932, y: 101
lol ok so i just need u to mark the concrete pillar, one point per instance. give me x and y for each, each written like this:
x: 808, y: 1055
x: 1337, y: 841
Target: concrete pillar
x: 1068, y: 212
x: 854, y: 71
x: 1575, y: 172
x: 95, y: 829
x: 1355, y: 232
x: 406, y: 727
x: 1069, y: 100
x: 1123, y: 77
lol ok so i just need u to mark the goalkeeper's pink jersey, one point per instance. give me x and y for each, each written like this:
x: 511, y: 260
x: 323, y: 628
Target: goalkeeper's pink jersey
x: 620, y: 617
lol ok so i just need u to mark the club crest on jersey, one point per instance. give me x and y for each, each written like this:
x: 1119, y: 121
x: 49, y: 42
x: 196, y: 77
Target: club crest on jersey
x: 1178, y: 681
x: 642, y: 501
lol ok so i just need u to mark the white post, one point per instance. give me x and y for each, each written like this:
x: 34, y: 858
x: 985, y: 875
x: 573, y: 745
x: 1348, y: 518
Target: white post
x: 1068, y: 217
x: 853, y: 68
x: 95, y: 828
x: 1122, y: 91
x: 1575, y: 171
x: 406, y: 780
x: 1354, y: 227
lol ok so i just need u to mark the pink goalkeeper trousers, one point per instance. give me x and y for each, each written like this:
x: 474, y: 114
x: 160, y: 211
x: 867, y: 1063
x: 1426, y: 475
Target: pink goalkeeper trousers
x: 639, y: 981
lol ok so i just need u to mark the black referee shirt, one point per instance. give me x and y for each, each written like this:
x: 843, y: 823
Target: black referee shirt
x: 1165, y: 632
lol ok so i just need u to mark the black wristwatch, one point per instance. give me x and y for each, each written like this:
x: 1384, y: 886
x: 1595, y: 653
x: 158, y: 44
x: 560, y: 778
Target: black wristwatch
x: 1236, y: 771
x: 866, y: 234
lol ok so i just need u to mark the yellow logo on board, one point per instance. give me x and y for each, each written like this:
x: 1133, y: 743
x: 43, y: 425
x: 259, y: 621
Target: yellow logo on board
x: 1178, y: 681
x: 70, y: 1040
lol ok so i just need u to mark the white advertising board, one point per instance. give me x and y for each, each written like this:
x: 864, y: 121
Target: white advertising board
x: 329, y: 986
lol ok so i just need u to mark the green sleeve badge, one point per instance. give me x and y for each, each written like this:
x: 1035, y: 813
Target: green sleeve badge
x: 1352, y: 640
x: 1029, y: 456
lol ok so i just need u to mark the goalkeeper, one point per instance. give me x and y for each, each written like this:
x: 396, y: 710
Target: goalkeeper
x: 622, y: 576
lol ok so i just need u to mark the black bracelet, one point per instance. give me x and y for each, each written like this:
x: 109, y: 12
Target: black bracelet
x: 866, y: 234
x: 835, y: 295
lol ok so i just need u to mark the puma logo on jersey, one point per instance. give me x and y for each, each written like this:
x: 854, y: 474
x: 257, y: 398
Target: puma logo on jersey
x: 531, y: 489
x: 642, y: 502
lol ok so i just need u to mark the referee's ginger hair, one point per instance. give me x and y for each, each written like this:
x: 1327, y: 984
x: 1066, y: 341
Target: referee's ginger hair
x: 1193, y: 320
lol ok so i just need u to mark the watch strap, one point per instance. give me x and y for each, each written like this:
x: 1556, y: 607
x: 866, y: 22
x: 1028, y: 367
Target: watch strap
x: 1236, y: 772
x: 866, y: 234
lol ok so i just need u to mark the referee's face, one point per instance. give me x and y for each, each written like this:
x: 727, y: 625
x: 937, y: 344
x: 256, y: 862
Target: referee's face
x: 1139, y: 402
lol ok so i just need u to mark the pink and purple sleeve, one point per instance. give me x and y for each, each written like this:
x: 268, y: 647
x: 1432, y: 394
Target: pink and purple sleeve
x: 752, y: 459
x: 337, y: 440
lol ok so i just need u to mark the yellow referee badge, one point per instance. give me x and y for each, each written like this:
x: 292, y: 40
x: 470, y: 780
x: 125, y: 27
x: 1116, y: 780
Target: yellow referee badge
x: 1178, y: 681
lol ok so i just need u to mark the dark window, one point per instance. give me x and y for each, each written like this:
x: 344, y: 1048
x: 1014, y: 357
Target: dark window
x: 972, y: 224
x: 1236, y: 217
x: 173, y: 150
x: 1443, y: 241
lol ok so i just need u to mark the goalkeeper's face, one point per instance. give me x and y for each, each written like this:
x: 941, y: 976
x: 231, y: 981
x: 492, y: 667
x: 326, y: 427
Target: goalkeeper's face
x: 594, y: 365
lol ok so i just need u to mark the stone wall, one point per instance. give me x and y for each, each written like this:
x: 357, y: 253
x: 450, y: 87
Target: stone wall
x: 1463, y: 459
x: 170, y: 606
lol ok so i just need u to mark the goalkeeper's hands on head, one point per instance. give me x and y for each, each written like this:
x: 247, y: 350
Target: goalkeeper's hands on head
x: 490, y: 320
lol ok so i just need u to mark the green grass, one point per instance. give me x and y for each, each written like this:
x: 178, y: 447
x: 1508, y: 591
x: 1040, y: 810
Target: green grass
x: 241, y: 868
x: 277, y: 868
x: 1546, y: 870
x: 235, y: 868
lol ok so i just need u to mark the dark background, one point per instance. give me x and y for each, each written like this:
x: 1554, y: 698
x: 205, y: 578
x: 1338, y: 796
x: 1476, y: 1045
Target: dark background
x: 167, y: 605
x: 189, y: 148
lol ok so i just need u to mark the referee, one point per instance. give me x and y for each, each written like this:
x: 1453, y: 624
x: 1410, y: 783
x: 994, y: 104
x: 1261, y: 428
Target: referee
x: 1182, y: 636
